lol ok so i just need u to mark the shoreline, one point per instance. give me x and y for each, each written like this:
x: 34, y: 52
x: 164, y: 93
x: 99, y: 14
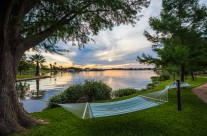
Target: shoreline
x: 32, y: 78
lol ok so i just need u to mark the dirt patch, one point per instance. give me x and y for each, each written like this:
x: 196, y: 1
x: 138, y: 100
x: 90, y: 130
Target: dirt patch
x: 201, y: 92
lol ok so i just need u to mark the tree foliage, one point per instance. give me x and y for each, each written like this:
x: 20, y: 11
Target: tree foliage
x: 75, y: 21
x: 24, y: 64
x: 180, y: 36
x: 38, y: 60
x: 24, y: 24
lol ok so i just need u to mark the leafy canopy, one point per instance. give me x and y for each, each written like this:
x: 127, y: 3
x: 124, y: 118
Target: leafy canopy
x: 76, y: 20
x: 180, y: 35
x: 37, y: 58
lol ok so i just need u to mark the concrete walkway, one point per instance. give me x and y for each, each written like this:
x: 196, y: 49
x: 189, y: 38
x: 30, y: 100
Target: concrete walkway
x: 201, y: 92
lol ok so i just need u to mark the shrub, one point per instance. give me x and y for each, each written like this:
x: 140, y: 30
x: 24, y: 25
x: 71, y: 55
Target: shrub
x: 155, y: 79
x: 124, y: 92
x: 88, y: 92
x: 55, y: 99
x: 143, y: 90
x: 97, y: 90
x: 164, y: 77
x: 70, y: 95
x: 151, y: 86
x: 73, y: 94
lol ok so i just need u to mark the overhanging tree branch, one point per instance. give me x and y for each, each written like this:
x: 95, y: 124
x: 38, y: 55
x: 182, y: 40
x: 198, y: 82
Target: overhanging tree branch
x: 29, y: 4
x: 19, y: 13
x: 6, y: 17
x: 39, y: 37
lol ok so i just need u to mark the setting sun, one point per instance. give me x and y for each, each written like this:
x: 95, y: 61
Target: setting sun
x: 109, y: 59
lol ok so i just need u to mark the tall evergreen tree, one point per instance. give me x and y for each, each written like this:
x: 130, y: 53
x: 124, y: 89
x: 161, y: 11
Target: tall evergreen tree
x: 180, y: 36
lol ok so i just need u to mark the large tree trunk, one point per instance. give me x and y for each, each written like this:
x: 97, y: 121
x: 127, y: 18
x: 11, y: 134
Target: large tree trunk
x: 38, y: 87
x: 192, y: 75
x: 182, y: 74
x: 13, y: 117
x: 174, y: 77
x: 12, y: 46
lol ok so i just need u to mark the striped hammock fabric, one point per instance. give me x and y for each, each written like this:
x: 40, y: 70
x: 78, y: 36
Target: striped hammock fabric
x: 174, y: 85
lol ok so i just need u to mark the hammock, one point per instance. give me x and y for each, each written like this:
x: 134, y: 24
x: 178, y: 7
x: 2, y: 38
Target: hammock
x: 140, y: 102
x: 174, y: 85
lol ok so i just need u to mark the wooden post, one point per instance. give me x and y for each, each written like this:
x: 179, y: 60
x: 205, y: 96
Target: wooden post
x: 179, y: 95
x: 84, y: 113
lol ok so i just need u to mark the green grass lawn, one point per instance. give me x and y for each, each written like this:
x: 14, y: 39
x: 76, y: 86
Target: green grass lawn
x: 163, y: 120
x: 29, y: 74
x: 24, y: 76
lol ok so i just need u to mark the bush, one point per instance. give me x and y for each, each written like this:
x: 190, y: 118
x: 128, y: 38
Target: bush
x: 155, y: 79
x: 164, y: 77
x: 88, y: 92
x: 124, y: 92
x: 73, y: 94
x: 55, y: 99
x: 151, y: 86
x: 97, y: 90
x: 143, y: 90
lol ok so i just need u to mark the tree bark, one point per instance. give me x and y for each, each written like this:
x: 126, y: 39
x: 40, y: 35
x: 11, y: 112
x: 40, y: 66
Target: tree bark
x: 38, y: 87
x: 12, y: 46
x: 37, y: 73
x: 13, y: 117
x: 182, y: 74
x: 192, y: 75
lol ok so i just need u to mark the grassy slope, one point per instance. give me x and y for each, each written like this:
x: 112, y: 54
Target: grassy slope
x: 157, y: 121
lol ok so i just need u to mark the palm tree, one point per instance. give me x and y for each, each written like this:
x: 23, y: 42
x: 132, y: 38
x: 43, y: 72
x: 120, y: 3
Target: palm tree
x: 50, y: 66
x: 38, y: 59
x: 54, y: 66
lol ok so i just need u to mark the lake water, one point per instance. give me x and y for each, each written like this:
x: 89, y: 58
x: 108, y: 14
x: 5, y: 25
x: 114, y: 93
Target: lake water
x: 41, y: 90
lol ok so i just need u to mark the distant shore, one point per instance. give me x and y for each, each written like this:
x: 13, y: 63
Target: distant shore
x: 32, y: 78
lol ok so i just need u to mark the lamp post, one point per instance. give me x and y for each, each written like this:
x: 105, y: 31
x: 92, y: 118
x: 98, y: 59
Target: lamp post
x: 179, y: 96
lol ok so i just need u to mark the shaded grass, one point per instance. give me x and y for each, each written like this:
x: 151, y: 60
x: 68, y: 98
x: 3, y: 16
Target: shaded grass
x: 161, y: 120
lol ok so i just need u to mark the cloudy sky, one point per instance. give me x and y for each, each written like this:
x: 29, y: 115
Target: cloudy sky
x: 116, y: 48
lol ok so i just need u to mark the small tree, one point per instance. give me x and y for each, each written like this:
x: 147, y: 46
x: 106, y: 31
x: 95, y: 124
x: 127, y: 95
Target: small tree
x: 38, y: 59
x: 51, y: 67
x: 54, y: 66
x: 23, y: 64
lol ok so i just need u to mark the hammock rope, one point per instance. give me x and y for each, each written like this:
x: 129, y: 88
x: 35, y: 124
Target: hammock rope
x: 140, y: 102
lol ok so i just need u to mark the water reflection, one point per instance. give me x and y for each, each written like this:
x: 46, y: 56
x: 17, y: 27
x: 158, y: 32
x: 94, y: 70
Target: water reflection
x: 36, y: 92
x: 22, y: 89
